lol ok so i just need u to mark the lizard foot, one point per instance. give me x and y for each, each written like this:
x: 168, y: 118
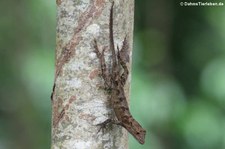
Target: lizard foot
x: 103, y: 125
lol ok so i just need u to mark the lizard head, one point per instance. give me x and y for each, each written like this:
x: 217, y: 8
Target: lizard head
x: 140, y: 136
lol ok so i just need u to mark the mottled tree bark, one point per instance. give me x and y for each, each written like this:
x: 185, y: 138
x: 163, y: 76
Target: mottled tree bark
x: 78, y: 101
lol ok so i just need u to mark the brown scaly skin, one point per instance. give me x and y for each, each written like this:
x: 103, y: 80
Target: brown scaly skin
x: 114, y: 83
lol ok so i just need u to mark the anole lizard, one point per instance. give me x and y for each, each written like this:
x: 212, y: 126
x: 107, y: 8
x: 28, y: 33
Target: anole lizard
x: 115, y: 79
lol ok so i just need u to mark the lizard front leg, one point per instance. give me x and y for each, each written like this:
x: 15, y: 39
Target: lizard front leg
x: 104, y: 124
x: 107, y: 82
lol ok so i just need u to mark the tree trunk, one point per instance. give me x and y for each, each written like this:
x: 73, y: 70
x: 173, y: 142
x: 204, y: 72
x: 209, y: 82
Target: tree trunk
x: 78, y: 102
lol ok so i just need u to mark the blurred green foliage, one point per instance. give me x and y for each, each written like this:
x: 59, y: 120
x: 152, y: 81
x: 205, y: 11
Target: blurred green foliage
x: 27, y: 42
x: 178, y: 78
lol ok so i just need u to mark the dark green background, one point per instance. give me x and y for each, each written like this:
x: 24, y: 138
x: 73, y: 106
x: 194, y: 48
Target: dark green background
x: 178, y: 78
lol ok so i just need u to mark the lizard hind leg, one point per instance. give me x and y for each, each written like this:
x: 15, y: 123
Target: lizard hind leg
x: 104, y: 73
x: 123, y: 58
